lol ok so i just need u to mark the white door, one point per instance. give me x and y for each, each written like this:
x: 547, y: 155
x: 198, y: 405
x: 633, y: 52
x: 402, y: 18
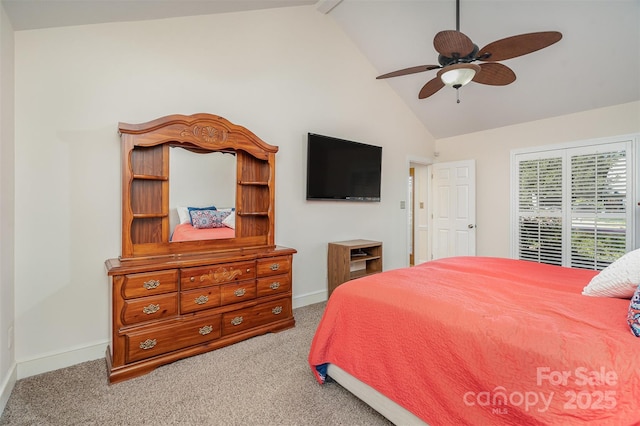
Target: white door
x: 454, y: 209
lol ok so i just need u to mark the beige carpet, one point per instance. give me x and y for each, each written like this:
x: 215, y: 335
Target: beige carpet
x: 262, y: 381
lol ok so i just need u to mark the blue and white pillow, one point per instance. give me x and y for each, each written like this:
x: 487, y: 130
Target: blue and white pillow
x: 190, y: 209
x: 183, y: 212
x: 633, y: 317
x: 202, y: 219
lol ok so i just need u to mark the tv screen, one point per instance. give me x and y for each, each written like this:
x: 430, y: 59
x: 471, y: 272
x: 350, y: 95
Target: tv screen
x: 339, y: 169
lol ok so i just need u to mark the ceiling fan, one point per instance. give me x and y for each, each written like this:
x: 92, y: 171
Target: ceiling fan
x: 457, y: 53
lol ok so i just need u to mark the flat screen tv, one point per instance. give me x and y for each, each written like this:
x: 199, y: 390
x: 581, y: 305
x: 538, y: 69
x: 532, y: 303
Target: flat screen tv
x: 339, y: 169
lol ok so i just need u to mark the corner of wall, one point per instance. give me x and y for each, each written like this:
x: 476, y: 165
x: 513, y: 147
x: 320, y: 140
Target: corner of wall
x: 7, y: 387
x: 8, y: 370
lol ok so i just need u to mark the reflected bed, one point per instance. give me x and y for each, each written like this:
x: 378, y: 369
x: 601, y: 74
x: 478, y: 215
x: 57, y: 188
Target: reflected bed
x: 187, y: 232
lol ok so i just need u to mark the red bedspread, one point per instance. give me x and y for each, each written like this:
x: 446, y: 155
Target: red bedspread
x: 186, y: 232
x: 473, y: 340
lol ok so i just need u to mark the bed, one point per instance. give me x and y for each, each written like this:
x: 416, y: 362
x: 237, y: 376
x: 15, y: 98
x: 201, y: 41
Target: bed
x: 479, y: 340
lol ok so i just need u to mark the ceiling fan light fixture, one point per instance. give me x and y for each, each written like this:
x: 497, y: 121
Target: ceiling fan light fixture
x: 458, y: 75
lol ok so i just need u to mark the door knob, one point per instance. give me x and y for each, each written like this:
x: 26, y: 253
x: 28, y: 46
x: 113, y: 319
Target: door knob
x: 471, y: 226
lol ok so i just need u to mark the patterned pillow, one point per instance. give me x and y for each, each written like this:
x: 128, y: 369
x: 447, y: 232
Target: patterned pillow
x: 202, y: 219
x: 633, y: 317
x: 189, y: 209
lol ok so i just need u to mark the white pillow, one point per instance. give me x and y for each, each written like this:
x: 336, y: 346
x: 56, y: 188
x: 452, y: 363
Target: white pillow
x: 230, y: 221
x: 620, y: 279
x: 183, y: 214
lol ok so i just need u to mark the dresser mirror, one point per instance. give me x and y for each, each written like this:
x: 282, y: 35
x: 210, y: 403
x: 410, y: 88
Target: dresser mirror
x: 222, y: 171
x: 200, y: 180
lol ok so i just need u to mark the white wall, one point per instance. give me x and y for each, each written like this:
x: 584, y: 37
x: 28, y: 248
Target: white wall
x: 491, y: 150
x: 7, y: 348
x: 281, y: 73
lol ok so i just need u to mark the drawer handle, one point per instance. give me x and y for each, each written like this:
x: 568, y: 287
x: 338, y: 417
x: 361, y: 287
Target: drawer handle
x: 201, y: 300
x: 274, y: 285
x: 277, y: 310
x: 275, y: 266
x: 237, y: 321
x: 240, y: 292
x: 151, y: 309
x: 206, y: 330
x: 148, y: 344
x: 151, y: 284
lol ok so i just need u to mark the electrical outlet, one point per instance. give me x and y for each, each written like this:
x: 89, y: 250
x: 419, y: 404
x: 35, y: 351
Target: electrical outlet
x: 10, y: 338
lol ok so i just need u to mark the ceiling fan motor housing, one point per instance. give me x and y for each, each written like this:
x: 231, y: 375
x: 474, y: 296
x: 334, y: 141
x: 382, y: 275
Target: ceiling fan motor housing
x: 471, y: 57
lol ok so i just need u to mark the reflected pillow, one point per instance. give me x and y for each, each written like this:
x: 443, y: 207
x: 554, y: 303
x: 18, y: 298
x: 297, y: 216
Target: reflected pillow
x: 190, y: 209
x: 203, y: 219
x: 620, y: 279
x: 183, y: 212
x: 230, y: 221
x: 633, y: 317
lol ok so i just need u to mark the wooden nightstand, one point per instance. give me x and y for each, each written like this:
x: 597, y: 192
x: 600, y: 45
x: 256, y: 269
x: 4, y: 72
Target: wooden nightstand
x: 348, y: 260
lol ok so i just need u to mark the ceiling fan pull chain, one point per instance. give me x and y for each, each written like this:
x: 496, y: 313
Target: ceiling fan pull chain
x: 457, y: 96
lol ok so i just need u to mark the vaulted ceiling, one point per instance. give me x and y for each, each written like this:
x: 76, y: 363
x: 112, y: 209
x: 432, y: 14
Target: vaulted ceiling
x: 596, y: 64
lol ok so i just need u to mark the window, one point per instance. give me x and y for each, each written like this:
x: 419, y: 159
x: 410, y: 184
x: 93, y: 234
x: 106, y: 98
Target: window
x: 573, y: 204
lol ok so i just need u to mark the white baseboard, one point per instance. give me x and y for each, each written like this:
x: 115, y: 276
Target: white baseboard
x: 309, y: 298
x: 7, y: 386
x: 71, y: 357
x: 61, y: 360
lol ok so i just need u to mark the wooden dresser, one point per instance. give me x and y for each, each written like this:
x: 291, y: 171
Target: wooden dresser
x: 174, y: 299
x: 166, y: 310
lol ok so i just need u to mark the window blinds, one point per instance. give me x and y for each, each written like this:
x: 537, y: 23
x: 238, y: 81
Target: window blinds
x: 540, y: 210
x: 598, y: 208
x: 572, y: 205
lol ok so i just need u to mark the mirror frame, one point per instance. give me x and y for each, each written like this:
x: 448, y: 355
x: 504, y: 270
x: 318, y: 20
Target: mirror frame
x: 145, y: 183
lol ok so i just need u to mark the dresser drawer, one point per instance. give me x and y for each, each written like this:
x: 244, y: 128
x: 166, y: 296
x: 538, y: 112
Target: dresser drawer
x: 199, y: 299
x: 156, y: 341
x: 149, y: 308
x: 242, y: 319
x: 273, y: 285
x: 149, y: 283
x: 274, y: 265
x: 237, y: 292
x: 203, y: 276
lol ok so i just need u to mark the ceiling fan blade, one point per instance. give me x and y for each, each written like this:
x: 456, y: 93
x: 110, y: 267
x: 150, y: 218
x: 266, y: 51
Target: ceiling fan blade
x: 512, y: 47
x: 430, y: 88
x: 405, y: 71
x: 452, y: 44
x: 494, y: 74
